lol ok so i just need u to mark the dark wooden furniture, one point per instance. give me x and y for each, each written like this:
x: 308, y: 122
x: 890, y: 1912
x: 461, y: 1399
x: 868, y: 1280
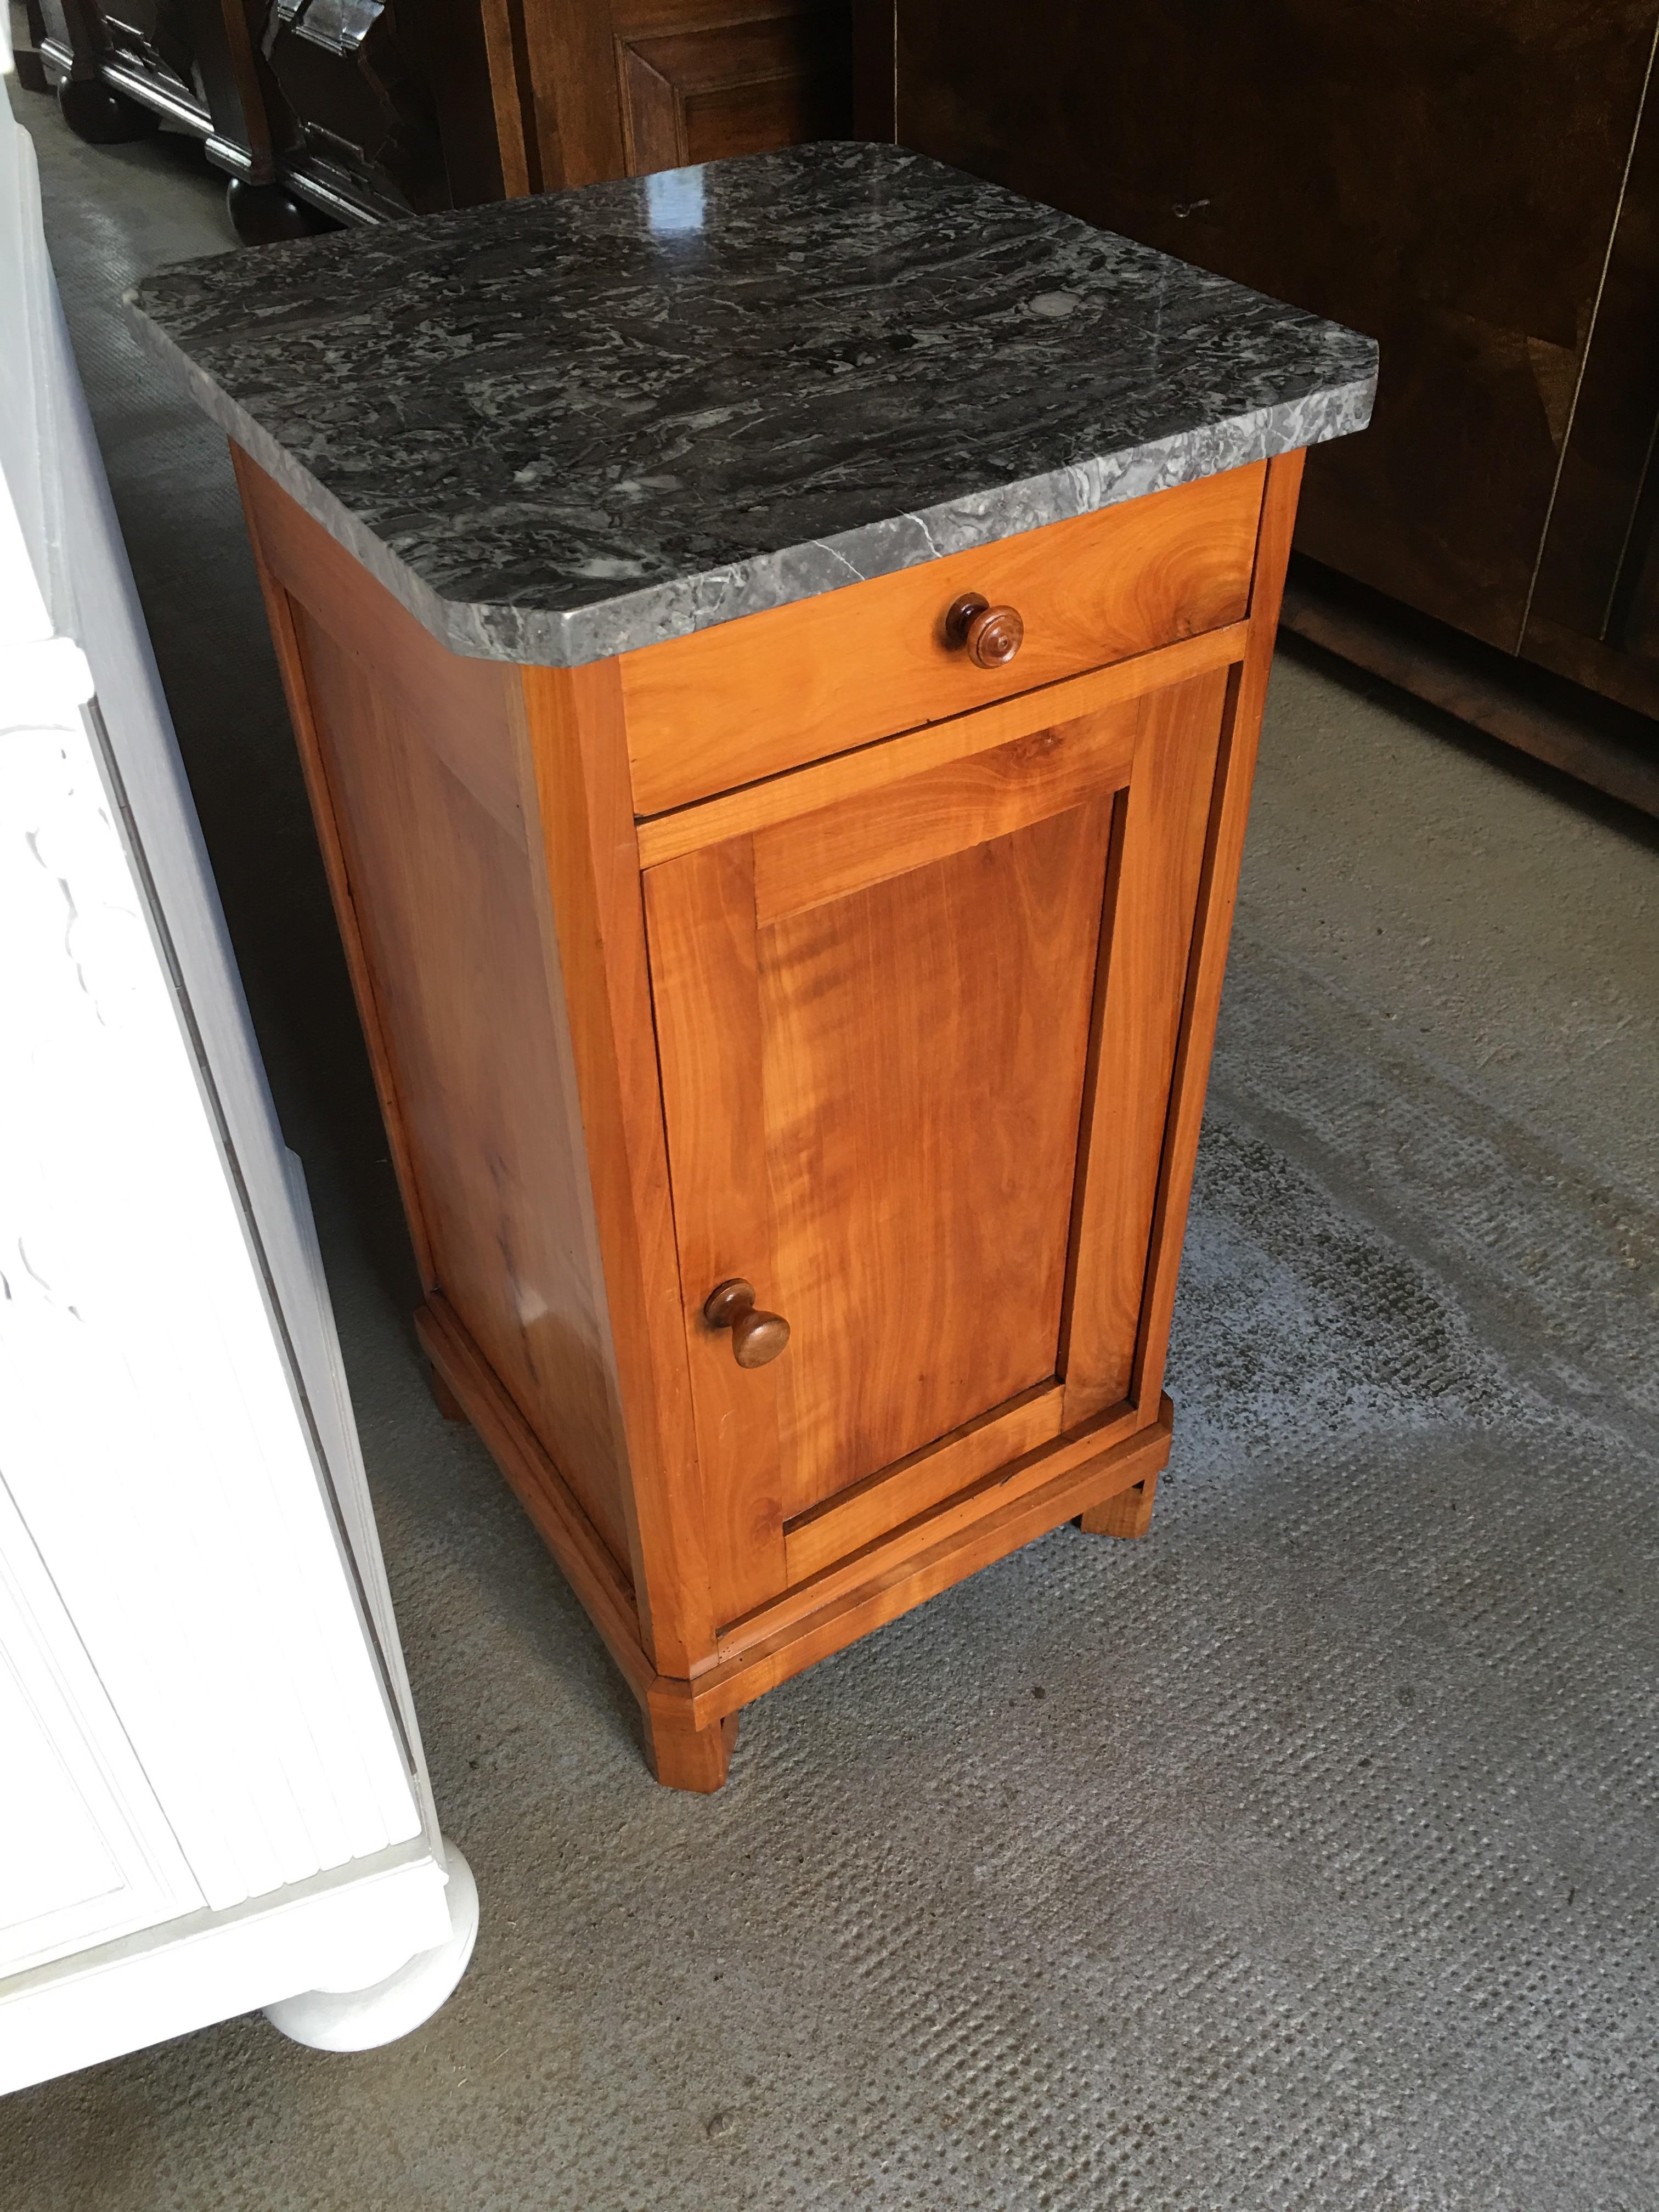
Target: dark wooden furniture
x: 342, y: 109
x: 658, y: 916
x: 1476, y: 185
x: 366, y: 110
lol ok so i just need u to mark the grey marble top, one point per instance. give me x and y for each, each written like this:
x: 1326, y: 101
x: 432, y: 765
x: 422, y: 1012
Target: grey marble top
x: 562, y: 428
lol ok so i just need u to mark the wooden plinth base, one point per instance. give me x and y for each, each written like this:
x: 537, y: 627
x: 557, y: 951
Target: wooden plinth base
x: 691, y: 1726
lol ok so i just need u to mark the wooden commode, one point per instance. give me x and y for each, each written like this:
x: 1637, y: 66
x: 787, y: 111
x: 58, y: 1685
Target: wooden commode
x: 789, y: 936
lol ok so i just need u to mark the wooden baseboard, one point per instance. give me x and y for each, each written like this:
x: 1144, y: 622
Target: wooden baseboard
x: 937, y: 1549
x: 1608, y: 746
x: 911, y: 1579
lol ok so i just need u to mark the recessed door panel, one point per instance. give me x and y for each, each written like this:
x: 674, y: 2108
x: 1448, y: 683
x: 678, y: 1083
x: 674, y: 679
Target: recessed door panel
x: 923, y: 1044
x: 887, y: 1039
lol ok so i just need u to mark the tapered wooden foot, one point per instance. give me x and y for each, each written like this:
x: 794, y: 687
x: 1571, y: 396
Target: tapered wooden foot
x: 683, y: 1756
x: 1129, y: 1513
x: 443, y: 1397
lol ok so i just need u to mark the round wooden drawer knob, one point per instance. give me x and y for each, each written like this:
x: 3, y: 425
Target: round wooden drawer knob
x: 990, y: 635
x: 756, y: 1337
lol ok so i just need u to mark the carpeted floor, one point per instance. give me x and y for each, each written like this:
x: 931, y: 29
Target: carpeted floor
x: 1303, y: 1855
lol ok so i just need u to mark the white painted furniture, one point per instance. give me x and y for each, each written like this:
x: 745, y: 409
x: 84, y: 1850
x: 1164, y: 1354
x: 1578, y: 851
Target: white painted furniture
x: 212, y: 1795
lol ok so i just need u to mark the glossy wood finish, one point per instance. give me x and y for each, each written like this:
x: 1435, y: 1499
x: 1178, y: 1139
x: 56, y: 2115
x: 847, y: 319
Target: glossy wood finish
x: 441, y: 892
x: 1486, y: 174
x: 909, y: 1041
x: 921, y: 1243
x: 1217, y: 890
x: 681, y: 1756
x: 785, y: 962
x: 953, y: 1517
x: 1058, y: 762
x: 369, y: 103
x: 857, y: 1514
x: 727, y: 705
x: 589, y: 1563
x: 996, y: 1517
x: 738, y: 85
x: 1147, y: 931
x: 990, y: 636
x: 869, y: 768
x: 595, y: 970
x: 627, y: 87
x: 757, y: 1337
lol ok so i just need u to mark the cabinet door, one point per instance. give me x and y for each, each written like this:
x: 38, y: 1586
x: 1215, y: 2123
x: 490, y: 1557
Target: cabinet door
x: 916, y: 1046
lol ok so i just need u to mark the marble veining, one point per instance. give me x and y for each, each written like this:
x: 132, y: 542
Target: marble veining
x: 567, y: 426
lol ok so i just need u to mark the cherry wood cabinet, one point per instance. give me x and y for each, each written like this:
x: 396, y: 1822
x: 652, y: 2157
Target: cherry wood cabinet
x: 813, y: 955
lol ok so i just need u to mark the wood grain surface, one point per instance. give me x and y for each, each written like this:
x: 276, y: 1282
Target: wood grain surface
x: 751, y: 698
x: 913, y: 1037
x: 1487, y: 177
x: 854, y: 1517
x: 415, y: 762
x: 1217, y: 893
x: 922, y: 1564
x: 868, y: 768
x: 1144, y: 971
x: 589, y: 907
x: 924, y: 1049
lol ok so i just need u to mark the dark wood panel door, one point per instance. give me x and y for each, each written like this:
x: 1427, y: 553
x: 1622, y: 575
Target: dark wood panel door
x: 1444, y: 177
x: 1594, y: 609
x: 722, y: 88
x: 632, y: 86
x: 887, y: 1039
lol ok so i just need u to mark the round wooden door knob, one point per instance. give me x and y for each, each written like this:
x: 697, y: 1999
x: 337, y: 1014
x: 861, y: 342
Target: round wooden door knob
x: 991, y: 636
x: 756, y: 1337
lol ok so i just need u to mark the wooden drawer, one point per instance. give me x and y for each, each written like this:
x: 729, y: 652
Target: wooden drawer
x: 751, y: 698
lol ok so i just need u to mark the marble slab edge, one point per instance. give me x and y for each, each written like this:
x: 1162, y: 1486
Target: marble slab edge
x: 538, y: 637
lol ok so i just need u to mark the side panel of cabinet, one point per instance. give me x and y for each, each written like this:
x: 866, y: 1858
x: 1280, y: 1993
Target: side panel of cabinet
x: 890, y: 1032
x: 416, y: 768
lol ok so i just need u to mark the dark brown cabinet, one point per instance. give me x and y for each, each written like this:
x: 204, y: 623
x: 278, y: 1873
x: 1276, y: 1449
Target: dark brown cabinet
x: 348, y: 109
x: 1474, y: 183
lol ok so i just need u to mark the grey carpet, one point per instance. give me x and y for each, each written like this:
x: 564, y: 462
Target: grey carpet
x: 1303, y: 1855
